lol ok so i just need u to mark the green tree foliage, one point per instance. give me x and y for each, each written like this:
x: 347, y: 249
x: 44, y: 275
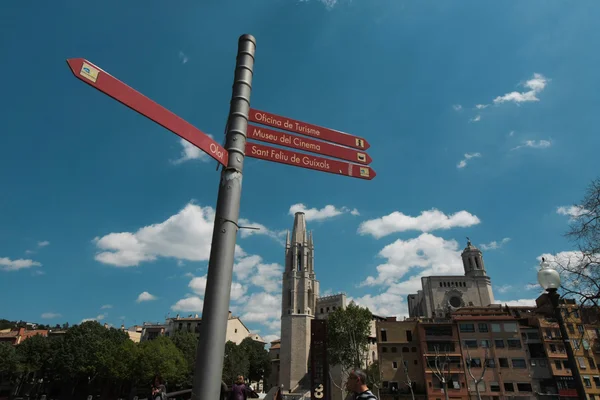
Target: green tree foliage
x: 161, y: 356
x: 187, y: 343
x: 8, y: 357
x: 259, y: 363
x: 34, y: 354
x: 348, y: 333
x: 235, y: 362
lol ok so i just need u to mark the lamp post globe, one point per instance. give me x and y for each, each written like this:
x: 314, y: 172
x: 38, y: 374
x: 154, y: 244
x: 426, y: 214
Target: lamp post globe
x: 548, y: 277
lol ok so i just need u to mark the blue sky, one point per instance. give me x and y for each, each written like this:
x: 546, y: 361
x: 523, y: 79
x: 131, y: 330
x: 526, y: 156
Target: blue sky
x: 100, y: 205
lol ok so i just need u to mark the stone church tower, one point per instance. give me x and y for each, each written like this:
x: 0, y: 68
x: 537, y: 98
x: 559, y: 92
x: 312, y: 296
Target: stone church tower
x: 300, y: 290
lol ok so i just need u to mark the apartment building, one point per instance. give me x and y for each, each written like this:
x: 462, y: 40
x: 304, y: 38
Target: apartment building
x: 400, y: 358
x: 441, y: 353
x: 493, y: 353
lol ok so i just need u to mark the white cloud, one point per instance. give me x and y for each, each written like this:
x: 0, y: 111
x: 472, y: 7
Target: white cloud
x: 457, y: 107
x: 517, y: 303
x: 572, y: 211
x: 511, y: 133
x: 535, y: 85
x: 314, y: 214
x: 426, y: 253
x: 190, y: 152
x: 270, y: 338
x: 184, y: 59
x: 468, y: 156
x: 50, y: 315
x: 494, y: 245
x: 262, y: 230
x: 185, y: 235
x: 477, y: 118
x: 264, y: 308
x: 354, y: 212
x: 6, y: 264
x: 106, y: 307
x: 145, y: 296
x: 533, y: 286
x: 428, y: 221
x: 503, y: 288
x: 539, y: 144
x: 189, y: 304
x: 43, y: 243
x: 266, y: 276
x: 198, y: 286
x: 481, y: 106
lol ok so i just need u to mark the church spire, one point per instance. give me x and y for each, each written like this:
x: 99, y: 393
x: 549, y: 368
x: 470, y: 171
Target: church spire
x: 287, y: 240
x: 299, y: 230
x: 473, y: 260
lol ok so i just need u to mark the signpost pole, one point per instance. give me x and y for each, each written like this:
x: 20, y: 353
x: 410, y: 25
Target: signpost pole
x: 211, y: 346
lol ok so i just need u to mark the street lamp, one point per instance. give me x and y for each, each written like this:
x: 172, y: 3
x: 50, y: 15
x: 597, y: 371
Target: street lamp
x: 549, y: 279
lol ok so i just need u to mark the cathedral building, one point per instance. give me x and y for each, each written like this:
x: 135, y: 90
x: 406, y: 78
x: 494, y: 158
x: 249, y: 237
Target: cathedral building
x: 443, y: 294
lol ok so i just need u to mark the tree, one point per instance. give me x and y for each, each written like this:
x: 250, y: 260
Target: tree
x: 186, y: 342
x: 259, y: 363
x: 161, y: 356
x: 33, y: 354
x: 8, y: 357
x: 408, y: 381
x: 374, y: 377
x: 581, y: 270
x: 348, y: 333
x: 235, y: 362
x: 470, y: 363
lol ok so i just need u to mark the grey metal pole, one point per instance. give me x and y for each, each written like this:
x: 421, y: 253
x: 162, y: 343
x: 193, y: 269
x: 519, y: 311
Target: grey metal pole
x: 211, y: 346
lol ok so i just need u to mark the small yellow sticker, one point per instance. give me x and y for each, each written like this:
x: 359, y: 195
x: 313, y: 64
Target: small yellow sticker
x: 89, y: 72
x: 360, y: 143
x: 364, y: 171
x: 361, y: 157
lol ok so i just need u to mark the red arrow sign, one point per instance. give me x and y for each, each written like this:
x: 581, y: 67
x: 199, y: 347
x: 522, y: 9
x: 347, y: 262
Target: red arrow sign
x: 300, y: 143
x: 269, y: 153
x: 108, y: 84
x: 303, y: 128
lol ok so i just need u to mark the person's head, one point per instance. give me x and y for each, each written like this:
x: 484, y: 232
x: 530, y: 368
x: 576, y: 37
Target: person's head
x: 158, y: 380
x: 357, y: 381
x: 239, y: 380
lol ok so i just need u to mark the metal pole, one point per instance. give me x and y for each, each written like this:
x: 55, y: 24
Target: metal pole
x: 211, y: 346
x: 554, y: 298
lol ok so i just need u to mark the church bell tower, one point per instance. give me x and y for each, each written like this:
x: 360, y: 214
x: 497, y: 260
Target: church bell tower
x: 299, y: 295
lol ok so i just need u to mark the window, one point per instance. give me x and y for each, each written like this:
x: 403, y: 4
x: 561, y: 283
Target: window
x: 524, y: 387
x: 321, y: 310
x: 586, y: 381
x: 405, y: 350
x: 581, y: 362
x: 510, y: 327
x: 592, y: 363
x: 490, y: 362
x: 474, y: 362
x: 519, y: 363
x: 394, y: 365
x: 513, y: 343
x: 470, y: 344
x: 289, y: 297
x: 499, y: 343
x: 597, y: 381
x: 495, y: 327
x: 509, y: 387
x: 394, y: 350
x: 503, y: 362
x: 235, y: 330
x: 383, y: 349
x: 570, y: 328
x: 383, y: 335
x: 408, y: 336
x: 557, y: 364
x: 580, y: 329
x: 494, y: 387
x: 575, y: 344
x: 482, y: 327
x: 485, y: 343
x: 467, y: 327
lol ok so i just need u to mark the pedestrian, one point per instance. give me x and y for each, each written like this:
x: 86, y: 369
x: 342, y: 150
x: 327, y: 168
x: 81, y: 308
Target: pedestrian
x: 357, y: 384
x: 159, y: 390
x: 239, y: 390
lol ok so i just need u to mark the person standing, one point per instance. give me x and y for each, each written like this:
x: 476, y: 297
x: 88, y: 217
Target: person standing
x: 239, y: 390
x: 159, y: 390
x: 357, y: 384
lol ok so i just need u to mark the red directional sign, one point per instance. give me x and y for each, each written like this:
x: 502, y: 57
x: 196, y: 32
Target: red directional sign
x: 303, y: 128
x: 108, y: 84
x: 311, y: 145
x: 309, y: 161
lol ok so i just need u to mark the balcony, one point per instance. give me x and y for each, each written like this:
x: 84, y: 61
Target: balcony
x: 567, y: 393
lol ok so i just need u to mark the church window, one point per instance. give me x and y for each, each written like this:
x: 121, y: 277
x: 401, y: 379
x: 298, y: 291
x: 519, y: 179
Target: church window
x: 394, y: 350
x: 405, y: 350
x: 471, y: 263
x: 299, y: 311
x: 373, y: 355
x: 299, y: 257
x: 289, y: 297
x: 327, y: 309
x: 321, y: 310
x: 477, y: 262
x: 441, y: 284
